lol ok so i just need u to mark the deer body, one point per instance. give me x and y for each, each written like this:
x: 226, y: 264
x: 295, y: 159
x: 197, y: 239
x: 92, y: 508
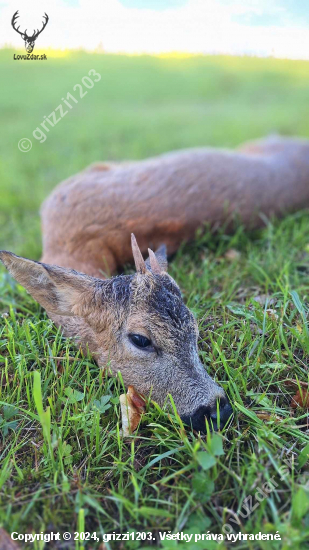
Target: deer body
x: 138, y: 324
x: 88, y: 219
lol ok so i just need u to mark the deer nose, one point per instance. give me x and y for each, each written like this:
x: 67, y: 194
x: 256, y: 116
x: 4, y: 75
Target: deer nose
x: 225, y: 412
x: 198, y: 419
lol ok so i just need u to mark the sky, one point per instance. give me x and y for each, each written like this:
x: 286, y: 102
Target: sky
x: 253, y: 27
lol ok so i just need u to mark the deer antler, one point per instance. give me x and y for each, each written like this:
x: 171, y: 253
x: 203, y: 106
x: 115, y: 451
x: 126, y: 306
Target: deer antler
x: 36, y: 34
x: 14, y: 19
x: 137, y: 255
x: 154, y: 264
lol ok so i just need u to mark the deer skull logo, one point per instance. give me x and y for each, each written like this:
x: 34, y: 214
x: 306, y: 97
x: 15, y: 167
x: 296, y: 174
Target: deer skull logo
x: 29, y: 40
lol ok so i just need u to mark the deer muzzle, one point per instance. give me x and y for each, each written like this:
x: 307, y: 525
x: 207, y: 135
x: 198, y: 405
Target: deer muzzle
x: 216, y: 416
x: 210, y: 404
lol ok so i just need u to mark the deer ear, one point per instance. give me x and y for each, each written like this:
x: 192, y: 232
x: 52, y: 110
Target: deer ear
x: 160, y: 259
x: 59, y: 290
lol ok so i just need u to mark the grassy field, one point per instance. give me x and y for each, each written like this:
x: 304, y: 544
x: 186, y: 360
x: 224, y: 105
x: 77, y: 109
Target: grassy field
x: 68, y: 469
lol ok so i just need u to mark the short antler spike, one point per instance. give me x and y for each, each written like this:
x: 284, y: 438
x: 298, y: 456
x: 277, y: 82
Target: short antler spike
x: 137, y: 255
x: 154, y: 264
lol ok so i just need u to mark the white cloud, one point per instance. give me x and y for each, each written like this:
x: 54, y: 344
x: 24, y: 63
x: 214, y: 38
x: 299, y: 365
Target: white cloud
x: 201, y: 26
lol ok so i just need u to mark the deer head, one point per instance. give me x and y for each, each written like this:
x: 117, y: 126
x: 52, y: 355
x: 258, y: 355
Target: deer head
x: 29, y: 40
x: 138, y: 324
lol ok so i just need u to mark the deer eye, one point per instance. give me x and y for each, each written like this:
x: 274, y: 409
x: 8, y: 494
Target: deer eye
x: 141, y: 341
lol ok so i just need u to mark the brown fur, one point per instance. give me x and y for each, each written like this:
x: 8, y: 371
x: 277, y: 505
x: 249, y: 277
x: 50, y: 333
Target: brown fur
x: 101, y: 314
x: 86, y: 223
x: 88, y: 219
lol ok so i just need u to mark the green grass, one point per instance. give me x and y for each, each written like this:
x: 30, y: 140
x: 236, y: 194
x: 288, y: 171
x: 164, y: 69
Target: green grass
x: 63, y: 463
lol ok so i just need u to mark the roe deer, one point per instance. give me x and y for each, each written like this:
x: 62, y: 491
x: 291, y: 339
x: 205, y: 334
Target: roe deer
x: 139, y: 324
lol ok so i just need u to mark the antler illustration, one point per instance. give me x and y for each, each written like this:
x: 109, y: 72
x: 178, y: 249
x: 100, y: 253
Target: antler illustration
x: 29, y: 40
x: 36, y: 34
x: 24, y: 34
x: 14, y: 19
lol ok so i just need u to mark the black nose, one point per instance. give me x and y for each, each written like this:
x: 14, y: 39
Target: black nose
x: 225, y: 412
x: 198, y: 419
